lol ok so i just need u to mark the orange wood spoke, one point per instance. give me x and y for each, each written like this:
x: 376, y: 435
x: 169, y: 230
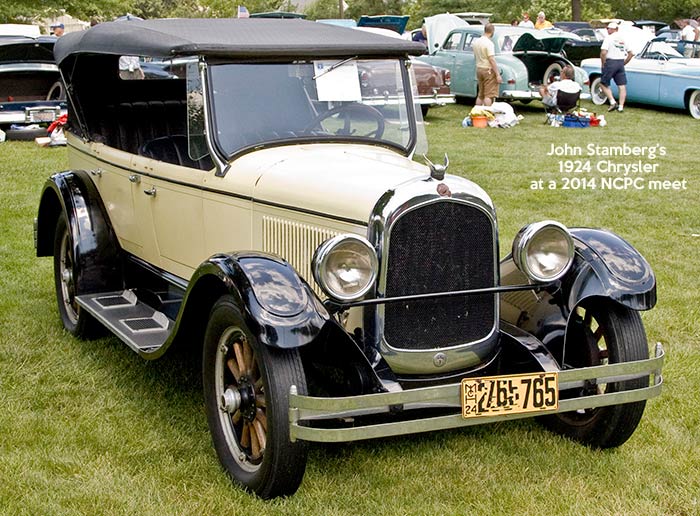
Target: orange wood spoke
x: 238, y: 351
x: 233, y: 367
x: 259, y: 433
x: 260, y: 416
x: 254, y: 443
x: 245, y: 436
x: 259, y: 384
x: 248, y: 357
x: 260, y: 400
x: 236, y: 418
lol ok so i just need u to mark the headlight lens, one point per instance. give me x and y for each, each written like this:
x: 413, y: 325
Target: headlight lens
x: 345, y: 267
x: 544, y: 250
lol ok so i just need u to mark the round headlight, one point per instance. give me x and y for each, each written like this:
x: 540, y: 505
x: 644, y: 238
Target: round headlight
x: 544, y: 250
x: 345, y: 267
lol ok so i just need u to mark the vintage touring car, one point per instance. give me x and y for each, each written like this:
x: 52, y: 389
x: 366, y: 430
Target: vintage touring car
x: 338, y: 289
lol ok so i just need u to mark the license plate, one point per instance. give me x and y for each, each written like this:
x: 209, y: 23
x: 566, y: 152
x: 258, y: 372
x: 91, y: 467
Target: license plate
x: 498, y: 395
x: 41, y: 115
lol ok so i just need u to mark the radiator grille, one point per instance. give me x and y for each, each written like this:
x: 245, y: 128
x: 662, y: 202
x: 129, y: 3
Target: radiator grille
x: 443, y: 246
x: 296, y: 243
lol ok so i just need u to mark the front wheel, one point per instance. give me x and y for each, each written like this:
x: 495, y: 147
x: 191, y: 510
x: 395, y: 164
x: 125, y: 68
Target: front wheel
x: 602, y: 333
x: 598, y: 97
x: 694, y: 104
x: 246, y: 390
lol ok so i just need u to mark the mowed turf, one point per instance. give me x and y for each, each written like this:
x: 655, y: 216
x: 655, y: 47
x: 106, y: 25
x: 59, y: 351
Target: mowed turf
x: 89, y: 428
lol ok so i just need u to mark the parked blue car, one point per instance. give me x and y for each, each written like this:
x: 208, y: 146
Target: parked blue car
x: 525, y: 57
x: 664, y: 74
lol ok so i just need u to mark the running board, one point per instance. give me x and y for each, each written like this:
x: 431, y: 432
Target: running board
x: 140, y: 326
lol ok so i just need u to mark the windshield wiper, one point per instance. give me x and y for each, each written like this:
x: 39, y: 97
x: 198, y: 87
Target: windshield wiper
x: 333, y: 67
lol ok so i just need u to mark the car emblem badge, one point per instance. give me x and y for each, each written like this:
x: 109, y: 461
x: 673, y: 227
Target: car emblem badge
x: 440, y: 359
x: 444, y: 190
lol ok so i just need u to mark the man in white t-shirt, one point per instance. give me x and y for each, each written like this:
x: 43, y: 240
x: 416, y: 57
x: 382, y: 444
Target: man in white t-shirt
x: 526, y: 21
x: 614, y: 55
x: 566, y: 85
x: 688, y: 33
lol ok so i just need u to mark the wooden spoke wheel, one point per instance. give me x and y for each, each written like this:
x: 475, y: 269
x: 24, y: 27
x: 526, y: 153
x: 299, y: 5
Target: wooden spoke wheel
x: 246, y: 387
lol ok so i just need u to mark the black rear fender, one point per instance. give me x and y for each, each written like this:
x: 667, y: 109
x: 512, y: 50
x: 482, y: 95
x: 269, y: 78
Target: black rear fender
x: 98, y: 265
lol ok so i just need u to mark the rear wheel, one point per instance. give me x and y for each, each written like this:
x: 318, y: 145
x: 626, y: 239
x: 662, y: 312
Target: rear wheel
x: 76, y: 320
x: 598, y: 97
x: 602, y: 333
x: 246, y: 389
x: 694, y: 104
x: 552, y: 73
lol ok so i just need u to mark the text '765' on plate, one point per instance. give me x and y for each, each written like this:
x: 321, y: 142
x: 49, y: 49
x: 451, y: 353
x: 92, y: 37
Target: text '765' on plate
x: 497, y: 395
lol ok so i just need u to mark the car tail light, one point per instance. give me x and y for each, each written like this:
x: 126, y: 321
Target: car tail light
x: 446, y: 77
x: 511, y: 81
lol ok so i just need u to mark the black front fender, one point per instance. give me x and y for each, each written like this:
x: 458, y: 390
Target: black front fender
x: 605, y: 266
x: 98, y: 265
x: 278, y: 305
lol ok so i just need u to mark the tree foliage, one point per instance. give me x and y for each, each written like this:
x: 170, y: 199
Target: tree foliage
x: 504, y: 11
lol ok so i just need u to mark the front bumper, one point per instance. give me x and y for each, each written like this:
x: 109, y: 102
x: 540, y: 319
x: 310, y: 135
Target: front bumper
x: 307, y: 411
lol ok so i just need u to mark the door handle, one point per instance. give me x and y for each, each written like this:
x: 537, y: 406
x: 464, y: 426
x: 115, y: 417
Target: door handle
x: 151, y: 192
x: 97, y: 172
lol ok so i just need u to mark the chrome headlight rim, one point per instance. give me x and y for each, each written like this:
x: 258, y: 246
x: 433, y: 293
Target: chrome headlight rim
x: 321, y: 259
x: 526, y: 237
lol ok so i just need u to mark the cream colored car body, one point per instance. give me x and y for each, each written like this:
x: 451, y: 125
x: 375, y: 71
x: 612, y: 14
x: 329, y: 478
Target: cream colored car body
x: 258, y: 204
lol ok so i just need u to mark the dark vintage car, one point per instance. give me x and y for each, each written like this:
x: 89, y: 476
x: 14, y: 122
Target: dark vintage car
x: 587, y: 44
x: 30, y: 85
x: 336, y: 289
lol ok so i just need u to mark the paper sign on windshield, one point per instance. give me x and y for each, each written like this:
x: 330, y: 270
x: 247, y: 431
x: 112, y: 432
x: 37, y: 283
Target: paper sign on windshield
x: 339, y: 84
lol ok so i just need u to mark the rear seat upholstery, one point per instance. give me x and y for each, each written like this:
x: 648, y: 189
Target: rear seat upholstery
x: 154, y: 129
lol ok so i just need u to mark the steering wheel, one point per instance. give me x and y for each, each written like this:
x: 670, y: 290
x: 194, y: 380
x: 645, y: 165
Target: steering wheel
x: 346, y: 111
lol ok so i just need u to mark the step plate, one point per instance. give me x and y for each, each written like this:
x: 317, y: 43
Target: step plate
x: 140, y: 326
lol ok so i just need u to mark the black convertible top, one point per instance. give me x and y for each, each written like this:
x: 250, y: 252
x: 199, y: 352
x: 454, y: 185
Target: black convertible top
x: 230, y: 37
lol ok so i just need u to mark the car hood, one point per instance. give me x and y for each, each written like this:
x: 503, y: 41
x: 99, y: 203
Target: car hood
x: 32, y: 50
x: 439, y: 26
x: 340, y: 181
x: 548, y: 40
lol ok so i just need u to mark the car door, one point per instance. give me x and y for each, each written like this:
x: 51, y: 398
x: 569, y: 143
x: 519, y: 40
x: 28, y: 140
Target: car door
x: 467, y: 65
x: 169, y: 206
x: 644, y: 77
x: 447, y: 56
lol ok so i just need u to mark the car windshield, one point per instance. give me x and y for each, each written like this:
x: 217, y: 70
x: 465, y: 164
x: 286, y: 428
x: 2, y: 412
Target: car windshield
x: 333, y: 100
x: 667, y: 50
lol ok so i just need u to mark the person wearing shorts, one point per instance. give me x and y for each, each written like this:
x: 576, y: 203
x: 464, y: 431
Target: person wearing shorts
x: 487, y: 75
x: 614, y: 55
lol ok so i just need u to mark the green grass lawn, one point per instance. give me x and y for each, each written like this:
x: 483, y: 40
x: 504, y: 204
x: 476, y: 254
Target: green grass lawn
x: 90, y: 428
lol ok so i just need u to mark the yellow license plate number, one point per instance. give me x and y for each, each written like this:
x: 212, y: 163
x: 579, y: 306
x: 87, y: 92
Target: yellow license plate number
x: 499, y: 395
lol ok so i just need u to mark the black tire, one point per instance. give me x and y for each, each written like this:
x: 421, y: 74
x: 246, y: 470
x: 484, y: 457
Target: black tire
x: 246, y: 391
x: 694, y: 104
x: 76, y: 320
x: 603, y: 332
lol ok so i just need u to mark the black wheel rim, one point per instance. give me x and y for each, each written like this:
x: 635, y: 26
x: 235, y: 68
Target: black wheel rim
x: 589, y: 347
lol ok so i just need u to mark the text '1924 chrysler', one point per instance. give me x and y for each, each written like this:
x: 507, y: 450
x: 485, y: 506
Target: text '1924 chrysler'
x: 258, y: 201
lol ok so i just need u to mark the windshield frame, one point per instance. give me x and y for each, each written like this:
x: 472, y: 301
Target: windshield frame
x: 211, y: 119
